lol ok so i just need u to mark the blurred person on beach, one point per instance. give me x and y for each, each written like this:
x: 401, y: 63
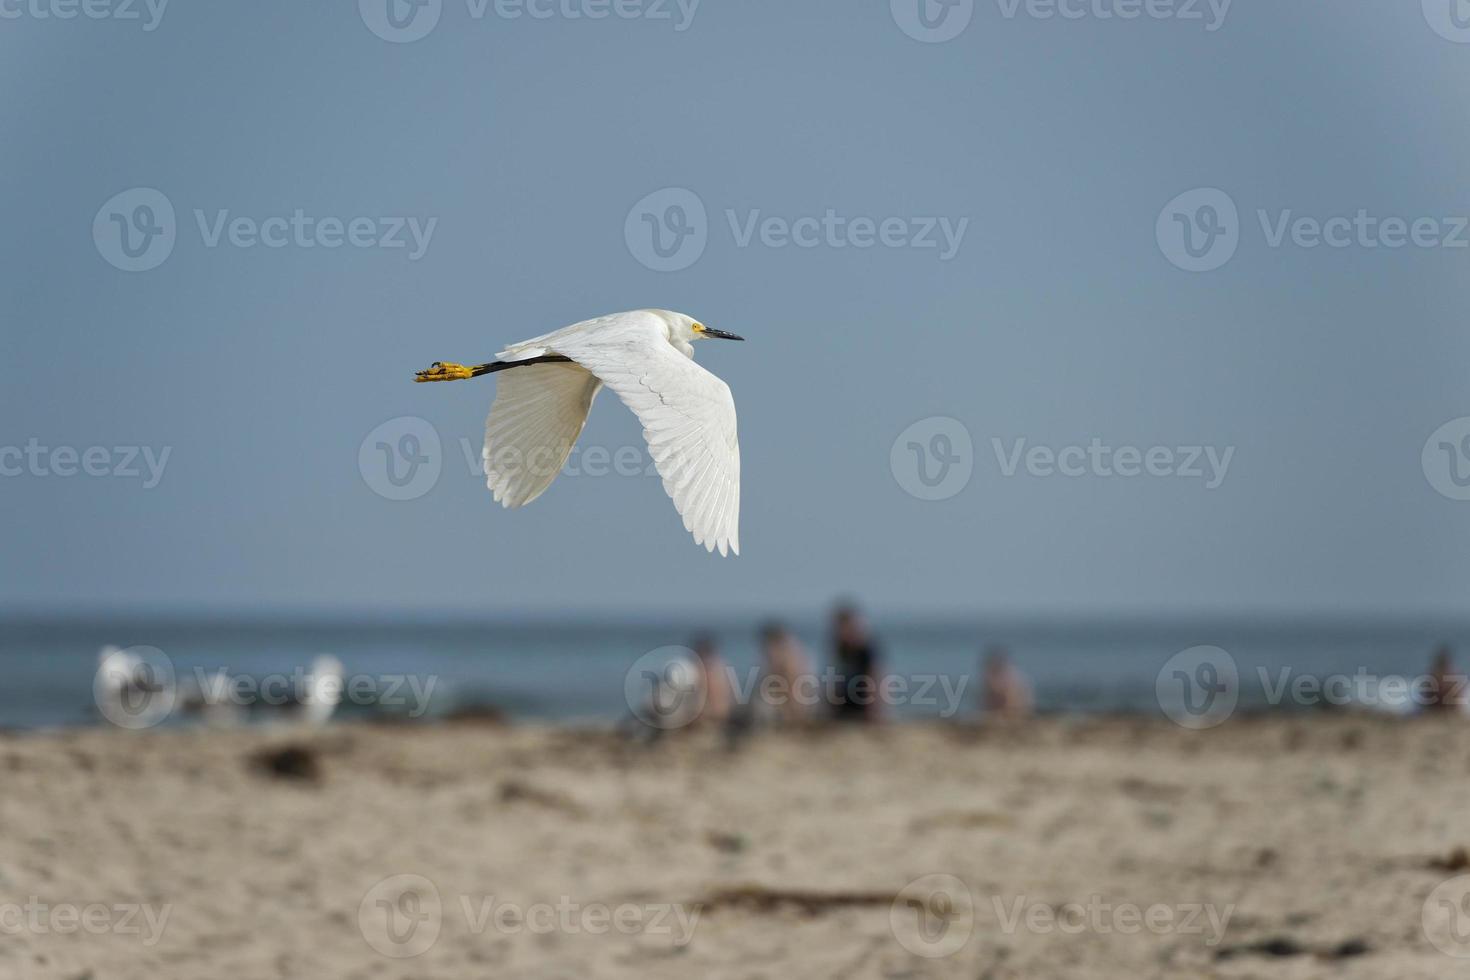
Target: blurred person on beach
x: 1446, y: 688
x: 688, y: 693
x: 858, y: 664
x: 788, y: 682
x: 718, y: 703
x: 1006, y: 695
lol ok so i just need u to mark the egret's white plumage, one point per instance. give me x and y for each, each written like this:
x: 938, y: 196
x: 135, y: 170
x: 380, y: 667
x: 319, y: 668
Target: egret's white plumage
x: 539, y: 412
x: 646, y: 358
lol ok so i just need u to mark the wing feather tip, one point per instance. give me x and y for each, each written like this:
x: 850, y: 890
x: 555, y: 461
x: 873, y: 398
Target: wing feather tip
x: 502, y: 497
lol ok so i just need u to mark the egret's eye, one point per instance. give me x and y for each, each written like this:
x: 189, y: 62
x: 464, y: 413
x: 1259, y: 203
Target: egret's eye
x: 699, y: 328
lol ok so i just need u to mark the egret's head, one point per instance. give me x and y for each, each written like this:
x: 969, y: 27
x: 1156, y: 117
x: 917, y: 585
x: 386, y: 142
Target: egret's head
x: 685, y: 329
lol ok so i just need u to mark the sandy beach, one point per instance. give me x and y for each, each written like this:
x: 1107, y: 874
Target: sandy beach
x: 1271, y: 847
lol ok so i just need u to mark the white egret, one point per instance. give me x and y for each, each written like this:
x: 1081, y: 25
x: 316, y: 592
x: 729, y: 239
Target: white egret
x: 647, y: 358
x: 315, y: 705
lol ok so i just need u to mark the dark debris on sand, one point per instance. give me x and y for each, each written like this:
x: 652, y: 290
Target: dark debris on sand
x: 291, y: 763
x: 1456, y: 860
x: 1283, y: 946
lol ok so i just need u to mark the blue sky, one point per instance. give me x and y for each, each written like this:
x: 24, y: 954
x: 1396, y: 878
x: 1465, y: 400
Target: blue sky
x: 437, y: 198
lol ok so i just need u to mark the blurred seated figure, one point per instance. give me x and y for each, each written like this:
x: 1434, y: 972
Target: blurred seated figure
x: 1446, y: 689
x: 858, y: 665
x: 1006, y: 695
x: 714, y: 678
x: 685, y: 692
x: 788, y: 686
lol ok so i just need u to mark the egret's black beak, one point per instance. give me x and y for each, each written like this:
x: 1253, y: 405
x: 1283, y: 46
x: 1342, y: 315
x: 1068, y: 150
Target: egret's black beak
x: 721, y: 334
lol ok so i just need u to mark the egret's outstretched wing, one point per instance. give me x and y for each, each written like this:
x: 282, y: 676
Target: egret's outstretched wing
x: 688, y: 417
x: 605, y: 328
x: 538, y: 413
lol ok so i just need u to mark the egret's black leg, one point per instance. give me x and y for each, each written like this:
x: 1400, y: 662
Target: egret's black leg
x: 449, y: 371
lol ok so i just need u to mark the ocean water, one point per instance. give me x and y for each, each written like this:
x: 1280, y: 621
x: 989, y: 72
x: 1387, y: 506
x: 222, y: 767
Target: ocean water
x: 579, y: 671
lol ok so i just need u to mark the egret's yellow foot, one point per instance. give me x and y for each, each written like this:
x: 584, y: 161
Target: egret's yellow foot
x: 444, y: 371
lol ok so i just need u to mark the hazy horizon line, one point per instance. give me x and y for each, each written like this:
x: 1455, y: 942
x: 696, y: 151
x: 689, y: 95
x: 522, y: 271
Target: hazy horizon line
x: 591, y: 616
